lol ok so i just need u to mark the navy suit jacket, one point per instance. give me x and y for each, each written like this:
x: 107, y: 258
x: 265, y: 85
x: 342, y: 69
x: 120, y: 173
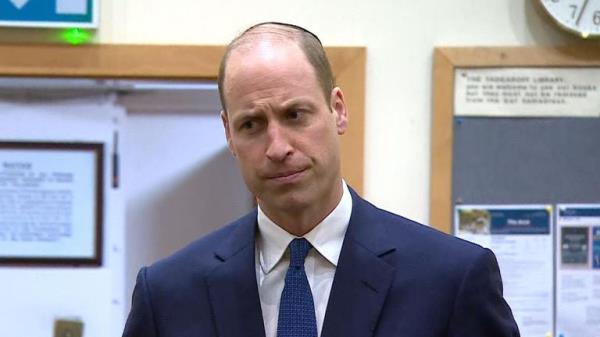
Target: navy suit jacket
x: 394, y: 277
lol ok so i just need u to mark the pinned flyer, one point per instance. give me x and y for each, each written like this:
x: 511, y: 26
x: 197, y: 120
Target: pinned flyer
x: 578, y: 270
x: 521, y: 238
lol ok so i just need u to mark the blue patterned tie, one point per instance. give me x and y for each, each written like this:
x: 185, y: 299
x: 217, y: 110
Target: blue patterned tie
x: 296, y: 308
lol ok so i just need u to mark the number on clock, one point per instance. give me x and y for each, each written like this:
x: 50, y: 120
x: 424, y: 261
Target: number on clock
x: 578, y: 16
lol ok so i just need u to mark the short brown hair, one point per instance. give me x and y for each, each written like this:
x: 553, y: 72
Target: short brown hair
x: 308, y: 42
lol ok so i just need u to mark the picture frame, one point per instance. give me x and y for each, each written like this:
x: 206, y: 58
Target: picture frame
x: 51, y: 203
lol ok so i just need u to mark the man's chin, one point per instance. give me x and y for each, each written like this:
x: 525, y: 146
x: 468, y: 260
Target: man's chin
x: 287, y: 202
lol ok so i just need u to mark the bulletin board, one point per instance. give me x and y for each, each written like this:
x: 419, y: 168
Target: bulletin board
x: 507, y: 159
x: 186, y: 63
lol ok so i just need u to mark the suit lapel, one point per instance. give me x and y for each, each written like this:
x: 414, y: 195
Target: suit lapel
x: 232, y: 285
x: 362, y: 278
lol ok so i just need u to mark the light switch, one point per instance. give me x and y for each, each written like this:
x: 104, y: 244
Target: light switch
x: 68, y: 328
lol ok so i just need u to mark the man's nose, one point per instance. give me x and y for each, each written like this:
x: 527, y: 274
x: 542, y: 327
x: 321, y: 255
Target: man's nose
x: 279, y: 146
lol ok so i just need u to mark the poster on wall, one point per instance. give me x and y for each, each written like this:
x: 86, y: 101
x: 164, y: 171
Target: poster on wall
x: 521, y: 237
x: 578, y: 270
x: 51, y: 203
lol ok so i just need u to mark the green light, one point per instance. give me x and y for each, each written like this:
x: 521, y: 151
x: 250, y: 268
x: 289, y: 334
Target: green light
x: 75, y: 36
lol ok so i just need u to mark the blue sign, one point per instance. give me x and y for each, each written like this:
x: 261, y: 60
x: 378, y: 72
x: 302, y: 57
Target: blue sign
x: 49, y: 13
x: 520, y: 221
x: 580, y: 211
x: 596, y: 247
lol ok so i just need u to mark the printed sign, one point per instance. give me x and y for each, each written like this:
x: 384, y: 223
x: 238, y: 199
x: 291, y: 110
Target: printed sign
x: 49, y: 13
x: 527, y: 92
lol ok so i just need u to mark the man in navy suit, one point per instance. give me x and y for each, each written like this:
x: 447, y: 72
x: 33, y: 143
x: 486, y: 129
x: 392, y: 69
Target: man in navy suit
x: 362, y: 272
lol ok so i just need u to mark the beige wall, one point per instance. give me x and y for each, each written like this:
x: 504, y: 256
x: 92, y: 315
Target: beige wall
x: 399, y: 35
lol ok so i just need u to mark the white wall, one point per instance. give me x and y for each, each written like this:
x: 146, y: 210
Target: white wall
x: 180, y: 180
x: 32, y: 298
x: 399, y: 35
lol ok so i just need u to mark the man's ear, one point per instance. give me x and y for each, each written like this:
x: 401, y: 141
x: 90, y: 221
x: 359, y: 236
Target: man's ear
x: 338, y: 107
x: 225, y: 121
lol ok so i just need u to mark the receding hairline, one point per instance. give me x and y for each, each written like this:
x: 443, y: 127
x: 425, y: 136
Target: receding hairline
x: 267, y: 31
x: 279, y: 33
x: 252, y: 41
x: 275, y: 31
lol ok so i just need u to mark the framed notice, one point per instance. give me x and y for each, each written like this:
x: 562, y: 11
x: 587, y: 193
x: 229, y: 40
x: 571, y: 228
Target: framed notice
x: 51, y: 203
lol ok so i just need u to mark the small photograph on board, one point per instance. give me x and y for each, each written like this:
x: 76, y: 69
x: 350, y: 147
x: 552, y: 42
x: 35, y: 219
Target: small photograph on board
x: 474, y: 221
x: 596, y: 247
x: 574, y: 246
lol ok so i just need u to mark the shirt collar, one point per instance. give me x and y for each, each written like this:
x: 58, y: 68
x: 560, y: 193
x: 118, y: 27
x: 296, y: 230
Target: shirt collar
x: 327, y: 237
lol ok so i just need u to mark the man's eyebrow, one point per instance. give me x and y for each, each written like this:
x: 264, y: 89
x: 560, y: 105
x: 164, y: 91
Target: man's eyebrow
x: 244, y: 115
x: 300, y: 101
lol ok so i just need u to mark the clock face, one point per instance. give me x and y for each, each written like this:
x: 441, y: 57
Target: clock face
x: 578, y: 16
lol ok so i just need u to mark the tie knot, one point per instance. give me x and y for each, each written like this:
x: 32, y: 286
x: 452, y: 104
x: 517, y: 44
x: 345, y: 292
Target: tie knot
x: 298, y: 250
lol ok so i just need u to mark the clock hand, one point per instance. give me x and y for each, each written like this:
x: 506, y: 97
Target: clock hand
x: 581, y: 12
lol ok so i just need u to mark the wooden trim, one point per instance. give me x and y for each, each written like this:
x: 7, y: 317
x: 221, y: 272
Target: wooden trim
x: 446, y: 60
x: 475, y: 57
x: 349, y: 68
x: 185, y: 63
x: 111, y: 61
x: 441, y: 143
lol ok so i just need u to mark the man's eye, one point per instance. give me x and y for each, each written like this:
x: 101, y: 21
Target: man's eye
x: 248, y: 125
x: 294, y: 114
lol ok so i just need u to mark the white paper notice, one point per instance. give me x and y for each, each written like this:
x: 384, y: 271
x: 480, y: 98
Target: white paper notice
x: 47, y: 203
x: 521, y: 238
x: 578, y: 271
x: 527, y: 92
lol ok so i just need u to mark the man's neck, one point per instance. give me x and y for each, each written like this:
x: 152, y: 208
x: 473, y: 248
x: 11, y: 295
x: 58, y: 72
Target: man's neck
x: 301, y: 221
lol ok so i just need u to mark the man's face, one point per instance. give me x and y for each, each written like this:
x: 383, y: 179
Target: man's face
x: 281, y: 128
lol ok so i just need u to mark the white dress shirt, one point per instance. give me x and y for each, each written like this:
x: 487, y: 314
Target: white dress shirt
x: 272, y: 261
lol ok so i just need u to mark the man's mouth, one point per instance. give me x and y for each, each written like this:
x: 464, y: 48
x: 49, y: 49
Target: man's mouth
x: 286, y: 176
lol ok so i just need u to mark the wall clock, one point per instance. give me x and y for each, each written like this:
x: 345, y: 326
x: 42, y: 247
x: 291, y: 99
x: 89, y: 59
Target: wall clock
x: 581, y: 17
